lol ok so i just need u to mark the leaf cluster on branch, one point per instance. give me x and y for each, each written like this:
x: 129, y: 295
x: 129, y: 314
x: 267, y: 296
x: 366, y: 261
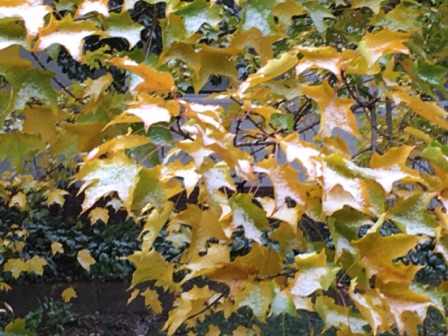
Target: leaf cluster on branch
x: 334, y: 105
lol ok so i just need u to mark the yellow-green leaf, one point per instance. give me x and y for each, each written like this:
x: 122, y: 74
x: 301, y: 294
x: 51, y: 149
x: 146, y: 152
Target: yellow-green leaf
x: 85, y: 259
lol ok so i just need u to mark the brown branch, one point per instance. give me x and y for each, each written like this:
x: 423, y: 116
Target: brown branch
x: 155, y: 20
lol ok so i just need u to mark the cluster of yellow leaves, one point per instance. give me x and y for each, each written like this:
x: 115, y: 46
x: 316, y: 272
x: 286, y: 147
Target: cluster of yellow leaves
x: 212, y: 153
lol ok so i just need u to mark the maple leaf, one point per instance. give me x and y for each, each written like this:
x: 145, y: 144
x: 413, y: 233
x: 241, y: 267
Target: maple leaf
x: 254, y: 38
x: 117, y: 174
x: 336, y: 111
x: 117, y: 145
x: 36, y: 265
x: 32, y: 12
x: 11, y: 34
x: 152, y: 266
x: 151, y: 79
x: 154, y: 223
x: 68, y: 294
x: 258, y: 14
x: 374, y: 5
x: 338, y: 316
x: 326, y: 58
x: 249, y: 216
x: 196, y: 14
x: 313, y: 274
x: 97, y: 214
x: 68, y: 33
x: 284, y: 179
x: 122, y: 25
x: 378, y: 253
x: 85, y: 259
x: 272, y: 69
x: 89, y: 6
x: 373, y: 46
x: 41, y: 121
x: 56, y: 247
x: 19, y: 201
x: 257, y: 296
x: 15, y: 266
x: 152, y: 300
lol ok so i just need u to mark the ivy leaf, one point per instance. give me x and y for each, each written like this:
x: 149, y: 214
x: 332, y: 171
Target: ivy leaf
x: 85, y: 259
x: 249, y: 216
x: 151, y: 79
x: 67, y: 33
x: 152, y: 300
x: 36, y: 265
x: 258, y: 14
x: 122, y: 25
x: 378, y: 253
x: 68, y: 294
x: 56, y: 247
x: 336, y: 111
x: 197, y: 13
x: 32, y: 12
x: 19, y: 147
x: 99, y: 214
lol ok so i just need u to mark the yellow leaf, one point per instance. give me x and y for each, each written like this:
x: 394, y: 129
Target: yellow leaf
x: 336, y: 111
x: 326, y: 58
x: 118, y: 144
x: 5, y: 287
x: 97, y: 214
x: 152, y: 300
x: 56, y: 196
x: 85, y: 259
x: 151, y: 79
x: 133, y: 295
x: 313, y: 274
x: 428, y: 110
x: 15, y: 266
x: 378, y: 253
x: 18, y: 200
x: 213, y: 331
x: 36, y: 265
x: 152, y: 266
x: 68, y: 294
x: 257, y: 296
x: 272, y: 69
x: 374, y: 5
x: 243, y: 331
x: 147, y: 109
x: 32, y: 12
x: 373, y: 46
x: 68, y: 33
x: 56, y: 247
x: 285, y: 182
x: 154, y: 223
x: 255, y: 39
x: 42, y: 121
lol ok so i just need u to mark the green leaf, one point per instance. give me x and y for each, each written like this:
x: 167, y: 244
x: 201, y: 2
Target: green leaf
x: 197, y: 13
x: 318, y: 14
x: 121, y: 25
x: 17, y: 147
x: 11, y: 33
x: 258, y: 14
